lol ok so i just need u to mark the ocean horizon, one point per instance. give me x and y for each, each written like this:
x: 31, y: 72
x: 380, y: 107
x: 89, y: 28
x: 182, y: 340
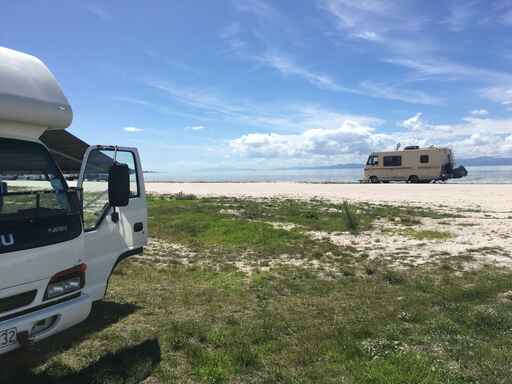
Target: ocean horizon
x: 476, y: 175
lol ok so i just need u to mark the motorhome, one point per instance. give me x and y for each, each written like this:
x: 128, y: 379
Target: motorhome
x: 413, y: 165
x: 58, y: 243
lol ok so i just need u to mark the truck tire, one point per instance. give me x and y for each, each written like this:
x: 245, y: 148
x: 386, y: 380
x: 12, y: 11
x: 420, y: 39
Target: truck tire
x: 414, y: 179
x: 374, y: 180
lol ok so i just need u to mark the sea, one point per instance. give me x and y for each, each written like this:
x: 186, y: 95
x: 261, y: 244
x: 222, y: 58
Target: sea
x: 476, y: 175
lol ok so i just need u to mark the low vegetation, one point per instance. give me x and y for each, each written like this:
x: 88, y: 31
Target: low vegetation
x: 316, y: 215
x: 427, y: 234
x: 213, y: 323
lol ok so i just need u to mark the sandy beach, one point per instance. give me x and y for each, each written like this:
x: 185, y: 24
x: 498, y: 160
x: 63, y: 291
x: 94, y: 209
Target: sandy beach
x: 487, y: 197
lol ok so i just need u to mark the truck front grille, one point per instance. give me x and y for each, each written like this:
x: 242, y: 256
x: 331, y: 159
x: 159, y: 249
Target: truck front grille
x: 11, y: 303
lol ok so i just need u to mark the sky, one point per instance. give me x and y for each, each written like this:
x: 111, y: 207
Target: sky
x: 263, y: 84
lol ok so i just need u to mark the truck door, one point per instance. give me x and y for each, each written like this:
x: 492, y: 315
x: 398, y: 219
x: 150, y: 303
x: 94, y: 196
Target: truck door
x: 110, y: 233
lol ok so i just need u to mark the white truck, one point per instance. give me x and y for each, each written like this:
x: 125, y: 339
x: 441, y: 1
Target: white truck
x: 58, y: 244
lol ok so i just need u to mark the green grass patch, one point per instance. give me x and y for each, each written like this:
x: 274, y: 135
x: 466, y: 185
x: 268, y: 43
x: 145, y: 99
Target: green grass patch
x: 317, y: 215
x: 201, y: 225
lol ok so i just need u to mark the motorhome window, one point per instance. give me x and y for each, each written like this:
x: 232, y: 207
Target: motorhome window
x: 31, y: 186
x: 424, y: 159
x: 392, y: 161
x: 95, y: 186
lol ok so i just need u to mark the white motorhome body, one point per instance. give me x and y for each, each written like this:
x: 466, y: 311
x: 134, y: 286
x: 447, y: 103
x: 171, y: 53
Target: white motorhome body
x: 412, y: 164
x: 58, y: 245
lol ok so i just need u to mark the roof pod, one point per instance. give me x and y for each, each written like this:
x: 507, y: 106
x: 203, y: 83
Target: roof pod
x: 29, y: 93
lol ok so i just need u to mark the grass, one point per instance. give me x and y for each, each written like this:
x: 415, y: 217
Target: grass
x: 293, y: 327
x: 201, y: 225
x: 199, y: 324
x: 315, y: 215
x: 420, y: 234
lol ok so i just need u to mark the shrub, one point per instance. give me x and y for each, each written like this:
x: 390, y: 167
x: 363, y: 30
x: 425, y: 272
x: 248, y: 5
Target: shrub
x: 184, y: 196
x: 350, y: 218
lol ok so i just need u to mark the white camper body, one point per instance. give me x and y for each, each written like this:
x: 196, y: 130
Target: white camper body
x: 58, y: 245
x: 413, y: 164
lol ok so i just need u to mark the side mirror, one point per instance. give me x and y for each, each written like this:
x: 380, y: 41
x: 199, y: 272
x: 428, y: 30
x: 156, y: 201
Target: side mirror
x: 119, y: 185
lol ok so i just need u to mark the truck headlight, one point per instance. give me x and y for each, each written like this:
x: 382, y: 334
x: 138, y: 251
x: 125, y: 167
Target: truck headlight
x: 65, y: 282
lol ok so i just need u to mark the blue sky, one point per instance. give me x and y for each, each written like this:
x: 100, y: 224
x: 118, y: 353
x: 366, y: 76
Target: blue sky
x: 260, y: 83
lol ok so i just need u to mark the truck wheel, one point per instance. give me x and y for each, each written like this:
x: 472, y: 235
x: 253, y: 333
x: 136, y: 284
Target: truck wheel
x: 374, y: 180
x: 414, y: 179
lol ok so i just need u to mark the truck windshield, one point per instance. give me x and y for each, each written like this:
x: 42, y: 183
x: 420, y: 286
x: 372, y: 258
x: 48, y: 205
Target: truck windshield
x: 373, y: 160
x: 31, y: 186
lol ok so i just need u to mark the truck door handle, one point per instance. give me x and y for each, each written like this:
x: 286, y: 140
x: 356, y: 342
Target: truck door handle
x: 138, y: 227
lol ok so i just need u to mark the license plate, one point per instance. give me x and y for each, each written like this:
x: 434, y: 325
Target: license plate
x: 8, y: 337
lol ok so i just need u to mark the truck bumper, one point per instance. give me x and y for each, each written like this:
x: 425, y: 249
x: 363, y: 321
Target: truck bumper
x: 64, y: 316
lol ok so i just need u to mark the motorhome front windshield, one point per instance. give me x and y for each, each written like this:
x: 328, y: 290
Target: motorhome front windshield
x: 35, y: 205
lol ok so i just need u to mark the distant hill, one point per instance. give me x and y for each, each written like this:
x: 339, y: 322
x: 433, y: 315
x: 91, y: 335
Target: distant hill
x: 485, y: 160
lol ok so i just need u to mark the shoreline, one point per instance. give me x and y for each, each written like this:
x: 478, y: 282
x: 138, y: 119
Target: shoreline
x: 178, y: 181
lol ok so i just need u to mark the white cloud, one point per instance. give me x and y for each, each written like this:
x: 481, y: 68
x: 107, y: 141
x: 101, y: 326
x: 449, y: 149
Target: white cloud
x: 438, y: 67
x: 282, y: 117
x: 414, y: 123
x: 368, y: 35
x: 480, y: 112
x: 99, y: 12
x: 288, y: 67
x: 197, y: 128
x: 398, y: 27
x: 498, y: 94
x: 133, y: 129
x: 351, y: 139
x: 356, y: 12
x: 357, y: 15
x: 474, y: 136
x: 377, y: 20
x: 461, y: 13
x: 480, y: 144
x: 499, y: 91
x: 197, y: 98
x: 393, y: 92
x: 160, y: 108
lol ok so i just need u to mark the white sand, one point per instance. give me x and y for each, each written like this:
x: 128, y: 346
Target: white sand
x: 488, y: 197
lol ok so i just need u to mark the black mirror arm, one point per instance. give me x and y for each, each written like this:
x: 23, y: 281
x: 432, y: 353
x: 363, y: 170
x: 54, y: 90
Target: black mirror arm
x: 115, y: 215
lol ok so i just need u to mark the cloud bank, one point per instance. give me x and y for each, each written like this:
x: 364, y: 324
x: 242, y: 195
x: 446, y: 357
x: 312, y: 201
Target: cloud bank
x: 354, y: 140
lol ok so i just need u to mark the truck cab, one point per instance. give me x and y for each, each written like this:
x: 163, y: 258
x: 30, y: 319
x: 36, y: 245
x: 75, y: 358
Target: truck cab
x: 58, y: 243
